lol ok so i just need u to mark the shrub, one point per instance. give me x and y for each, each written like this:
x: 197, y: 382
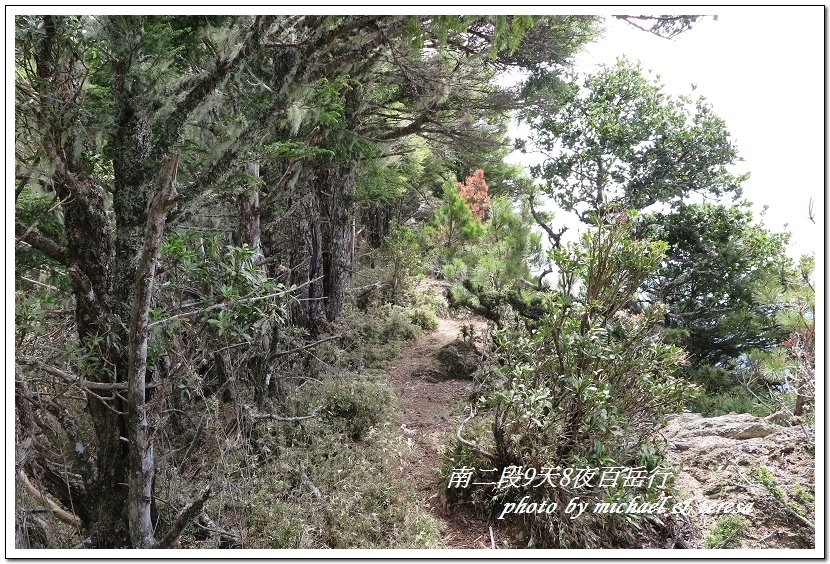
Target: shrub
x: 726, y: 533
x: 474, y: 192
x: 373, y: 337
x: 333, y: 481
x: 423, y: 318
x: 455, y: 223
x: 360, y: 401
x: 735, y: 400
x: 588, y: 387
x: 401, y: 252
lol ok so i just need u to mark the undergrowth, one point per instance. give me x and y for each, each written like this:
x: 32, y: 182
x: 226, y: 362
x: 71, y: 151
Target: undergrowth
x: 331, y: 480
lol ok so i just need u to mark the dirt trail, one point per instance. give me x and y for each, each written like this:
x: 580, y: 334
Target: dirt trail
x: 430, y: 412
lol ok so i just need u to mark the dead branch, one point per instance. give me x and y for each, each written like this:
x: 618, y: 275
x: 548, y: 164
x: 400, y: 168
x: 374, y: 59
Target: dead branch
x: 280, y: 294
x: 187, y: 514
x: 205, y: 523
x: 470, y: 444
x: 304, y: 347
x: 553, y: 236
x: 139, y: 427
x: 32, y: 236
x: 69, y: 378
x: 61, y: 514
x: 249, y: 410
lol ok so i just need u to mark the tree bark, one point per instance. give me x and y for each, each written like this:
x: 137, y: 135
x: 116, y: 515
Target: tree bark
x: 249, y: 216
x: 89, y: 254
x: 306, y: 262
x: 141, y: 424
x: 337, y: 184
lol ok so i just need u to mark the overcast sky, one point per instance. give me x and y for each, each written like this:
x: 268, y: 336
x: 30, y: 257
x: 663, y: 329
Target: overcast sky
x: 762, y: 69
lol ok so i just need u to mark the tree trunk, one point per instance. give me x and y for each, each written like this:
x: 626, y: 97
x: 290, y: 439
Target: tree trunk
x: 379, y: 222
x: 337, y: 184
x: 89, y: 266
x: 306, y: 262
x: 249, y: 216
x: 141, y: 419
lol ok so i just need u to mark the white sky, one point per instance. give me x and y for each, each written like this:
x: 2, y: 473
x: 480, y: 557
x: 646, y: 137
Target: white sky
x: 762, y: 69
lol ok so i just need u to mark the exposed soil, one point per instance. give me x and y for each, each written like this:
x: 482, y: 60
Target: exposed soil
x: 431, y: 412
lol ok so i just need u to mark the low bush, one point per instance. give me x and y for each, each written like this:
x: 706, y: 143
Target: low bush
x: 588, y: 386
x: 726, y: 533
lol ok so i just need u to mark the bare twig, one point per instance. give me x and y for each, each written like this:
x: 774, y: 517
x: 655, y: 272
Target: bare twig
x: 255, y: 415
x: 309, y: 484
x: 279, y: 294
x: 554, y: 237
x: 304, y: 347
x: 470, y: 444
x: 85, y: 385
x: 40, y: 284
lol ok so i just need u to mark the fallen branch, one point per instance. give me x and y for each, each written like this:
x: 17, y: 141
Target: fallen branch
x: 187, y: 514
x: 61, y: 514
x: 470, y: 444
x: 304, y: 347
x: 205, y: 523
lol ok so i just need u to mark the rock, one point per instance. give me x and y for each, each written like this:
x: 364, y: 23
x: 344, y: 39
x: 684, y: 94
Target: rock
x: 431, y: 374
x: 713, y: 459
x: 458, y: 359
x: 741, y: 427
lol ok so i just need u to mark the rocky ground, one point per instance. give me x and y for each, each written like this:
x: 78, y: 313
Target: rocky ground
x: 722, y: 460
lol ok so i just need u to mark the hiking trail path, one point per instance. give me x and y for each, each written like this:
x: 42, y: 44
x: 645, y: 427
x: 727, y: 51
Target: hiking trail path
x: 430, y: 413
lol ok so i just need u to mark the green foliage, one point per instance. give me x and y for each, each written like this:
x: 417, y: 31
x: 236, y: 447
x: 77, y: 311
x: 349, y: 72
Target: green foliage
x: 291, y: 149
x: 401, y: 254
x: 716, y: 260
x: 455, y: 223
x: 30, y: 311
x: 726, y: 533
x: 766, y: 478
x: 239, y: 301
x: 805, y: 496
x: 361, y: 402
x: 468, y: 332
x: 735, y: 399
x: 42, y: 211
x: 335, y: 482
x: 792, y: 294
x: 618, y: 141
x: 507, y: 249
x: 799, y: 503
x: 328, y: 102
x: 423, y: 317
x: 375, y: 336
x: 486, y: 275
x: 591, y: 383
